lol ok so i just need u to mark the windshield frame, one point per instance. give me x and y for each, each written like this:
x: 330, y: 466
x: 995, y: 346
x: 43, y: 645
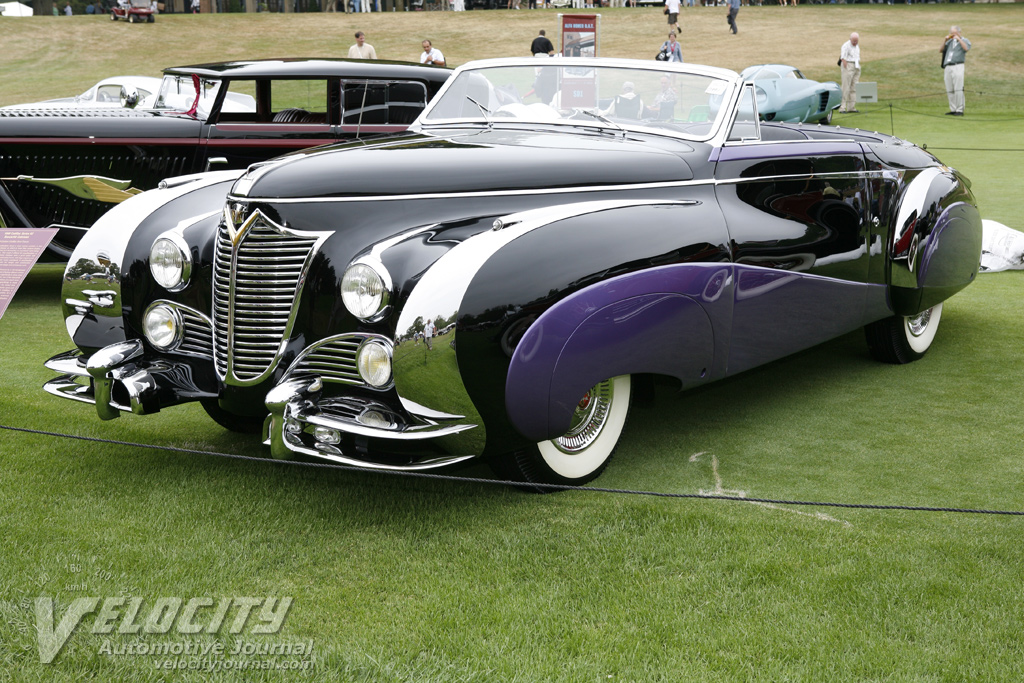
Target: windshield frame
x: 730, y: 79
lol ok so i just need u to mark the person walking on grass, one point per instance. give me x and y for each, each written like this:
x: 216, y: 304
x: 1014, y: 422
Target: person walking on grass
x: 672, y: 49
x: 672, y: 10
x: 734, y: 9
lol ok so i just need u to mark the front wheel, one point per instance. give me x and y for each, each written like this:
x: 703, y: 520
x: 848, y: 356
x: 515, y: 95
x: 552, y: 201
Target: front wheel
x: 828, y: 117
x: 903, y: 339
x: 582, y: 453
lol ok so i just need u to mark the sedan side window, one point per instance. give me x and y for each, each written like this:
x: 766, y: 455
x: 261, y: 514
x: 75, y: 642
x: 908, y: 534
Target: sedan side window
x: 299, y: 101
x: 382, y: 102
x: 110, y: 93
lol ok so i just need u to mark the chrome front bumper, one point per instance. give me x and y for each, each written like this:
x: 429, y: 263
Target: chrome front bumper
x: 118, y: 378
x: 302, y: 421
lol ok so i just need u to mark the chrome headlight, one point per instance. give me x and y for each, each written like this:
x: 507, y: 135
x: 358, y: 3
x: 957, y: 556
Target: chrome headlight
x: 170, y: 262
x: 373, y: 360
x: 365, y: 291
x: 163, y: 327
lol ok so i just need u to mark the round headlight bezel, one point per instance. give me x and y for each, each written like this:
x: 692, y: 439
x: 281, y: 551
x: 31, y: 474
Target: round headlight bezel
x: 379, y: 304
x: 175, y: 246
x: 373, y: 379
x: 171, y: 315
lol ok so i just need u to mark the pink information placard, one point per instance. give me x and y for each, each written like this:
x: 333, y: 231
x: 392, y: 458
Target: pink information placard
x: 19, y: 249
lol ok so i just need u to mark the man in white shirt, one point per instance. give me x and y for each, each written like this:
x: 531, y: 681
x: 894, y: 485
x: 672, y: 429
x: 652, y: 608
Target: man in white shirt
x: 673, y: 14
x: 431, y: 55
x: 849, y: 60
x: 362, y: 49
x: 428, y: 334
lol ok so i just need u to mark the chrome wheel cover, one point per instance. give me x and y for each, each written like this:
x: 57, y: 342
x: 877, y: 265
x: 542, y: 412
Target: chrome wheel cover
x: 588, y: 420
x: 918, y: 324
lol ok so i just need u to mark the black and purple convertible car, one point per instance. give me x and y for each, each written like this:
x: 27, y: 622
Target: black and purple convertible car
x: 496, y: 282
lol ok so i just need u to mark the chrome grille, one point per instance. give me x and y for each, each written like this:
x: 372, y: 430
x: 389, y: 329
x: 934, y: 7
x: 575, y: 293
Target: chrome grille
x: 333, y: 360
x: 198, y: 337
x: 255, y: 286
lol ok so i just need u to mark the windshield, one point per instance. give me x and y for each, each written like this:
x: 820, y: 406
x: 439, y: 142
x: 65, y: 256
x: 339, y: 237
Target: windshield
x: 178, y: 93
x: 582, y: 92
x: 761, y: 73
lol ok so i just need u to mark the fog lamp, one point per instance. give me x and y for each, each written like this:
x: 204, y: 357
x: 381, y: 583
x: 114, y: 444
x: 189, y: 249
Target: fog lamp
x: 162, y: 327
x: 327, y: 435
x: 375, y: 419
x: 374, y: 362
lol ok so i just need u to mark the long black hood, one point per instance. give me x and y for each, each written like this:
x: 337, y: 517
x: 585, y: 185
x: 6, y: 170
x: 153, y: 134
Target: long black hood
x: 482, y: 161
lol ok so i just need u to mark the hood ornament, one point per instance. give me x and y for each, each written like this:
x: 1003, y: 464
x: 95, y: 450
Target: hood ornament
x: 234, y: 216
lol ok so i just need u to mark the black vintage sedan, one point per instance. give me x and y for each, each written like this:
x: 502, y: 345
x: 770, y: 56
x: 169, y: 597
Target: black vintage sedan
x: 498, y: 281
x: 65, y: 168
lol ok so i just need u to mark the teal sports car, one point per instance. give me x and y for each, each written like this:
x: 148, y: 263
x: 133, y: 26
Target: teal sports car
x: 784, y: 94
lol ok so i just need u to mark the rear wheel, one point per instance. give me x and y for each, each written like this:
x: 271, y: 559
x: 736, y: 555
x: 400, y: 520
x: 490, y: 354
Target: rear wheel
x: 903, y: 339
x: 113, y: 17
x: 243, y: 424
x: 582, y: 453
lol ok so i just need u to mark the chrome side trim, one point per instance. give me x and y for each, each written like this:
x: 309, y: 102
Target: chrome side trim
x: 475, y: 193
x: 542, y: 191
x: 754, y: 143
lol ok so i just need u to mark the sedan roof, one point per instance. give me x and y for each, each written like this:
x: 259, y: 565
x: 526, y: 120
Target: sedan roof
x: 313, y: 68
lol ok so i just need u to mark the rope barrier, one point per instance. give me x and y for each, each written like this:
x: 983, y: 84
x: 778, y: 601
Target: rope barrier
x: 502, y: 482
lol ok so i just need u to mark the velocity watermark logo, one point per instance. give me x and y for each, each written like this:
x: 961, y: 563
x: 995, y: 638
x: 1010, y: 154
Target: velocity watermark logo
x: 135, y: 617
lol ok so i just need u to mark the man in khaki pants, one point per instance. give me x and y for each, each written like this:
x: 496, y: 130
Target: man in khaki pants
x: 954, y: 53
x: 849, y: 60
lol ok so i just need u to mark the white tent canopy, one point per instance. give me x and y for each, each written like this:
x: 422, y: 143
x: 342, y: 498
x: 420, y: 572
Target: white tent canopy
x: 15, y: 9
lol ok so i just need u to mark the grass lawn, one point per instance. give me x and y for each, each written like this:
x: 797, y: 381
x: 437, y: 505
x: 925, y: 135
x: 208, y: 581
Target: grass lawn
x: 397, y: 579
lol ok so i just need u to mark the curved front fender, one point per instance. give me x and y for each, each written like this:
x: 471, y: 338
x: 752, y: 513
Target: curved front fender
x: 653, y: 321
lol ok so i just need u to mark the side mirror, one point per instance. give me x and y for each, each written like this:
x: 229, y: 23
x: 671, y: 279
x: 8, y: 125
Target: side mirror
x: 129, y: 96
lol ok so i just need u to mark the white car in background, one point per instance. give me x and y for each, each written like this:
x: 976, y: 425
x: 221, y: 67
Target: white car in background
x: 106, y: 93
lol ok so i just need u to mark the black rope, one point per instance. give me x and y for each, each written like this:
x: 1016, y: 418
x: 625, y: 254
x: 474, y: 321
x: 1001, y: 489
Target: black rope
x: 502, y: 482
x: 875, y: 110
